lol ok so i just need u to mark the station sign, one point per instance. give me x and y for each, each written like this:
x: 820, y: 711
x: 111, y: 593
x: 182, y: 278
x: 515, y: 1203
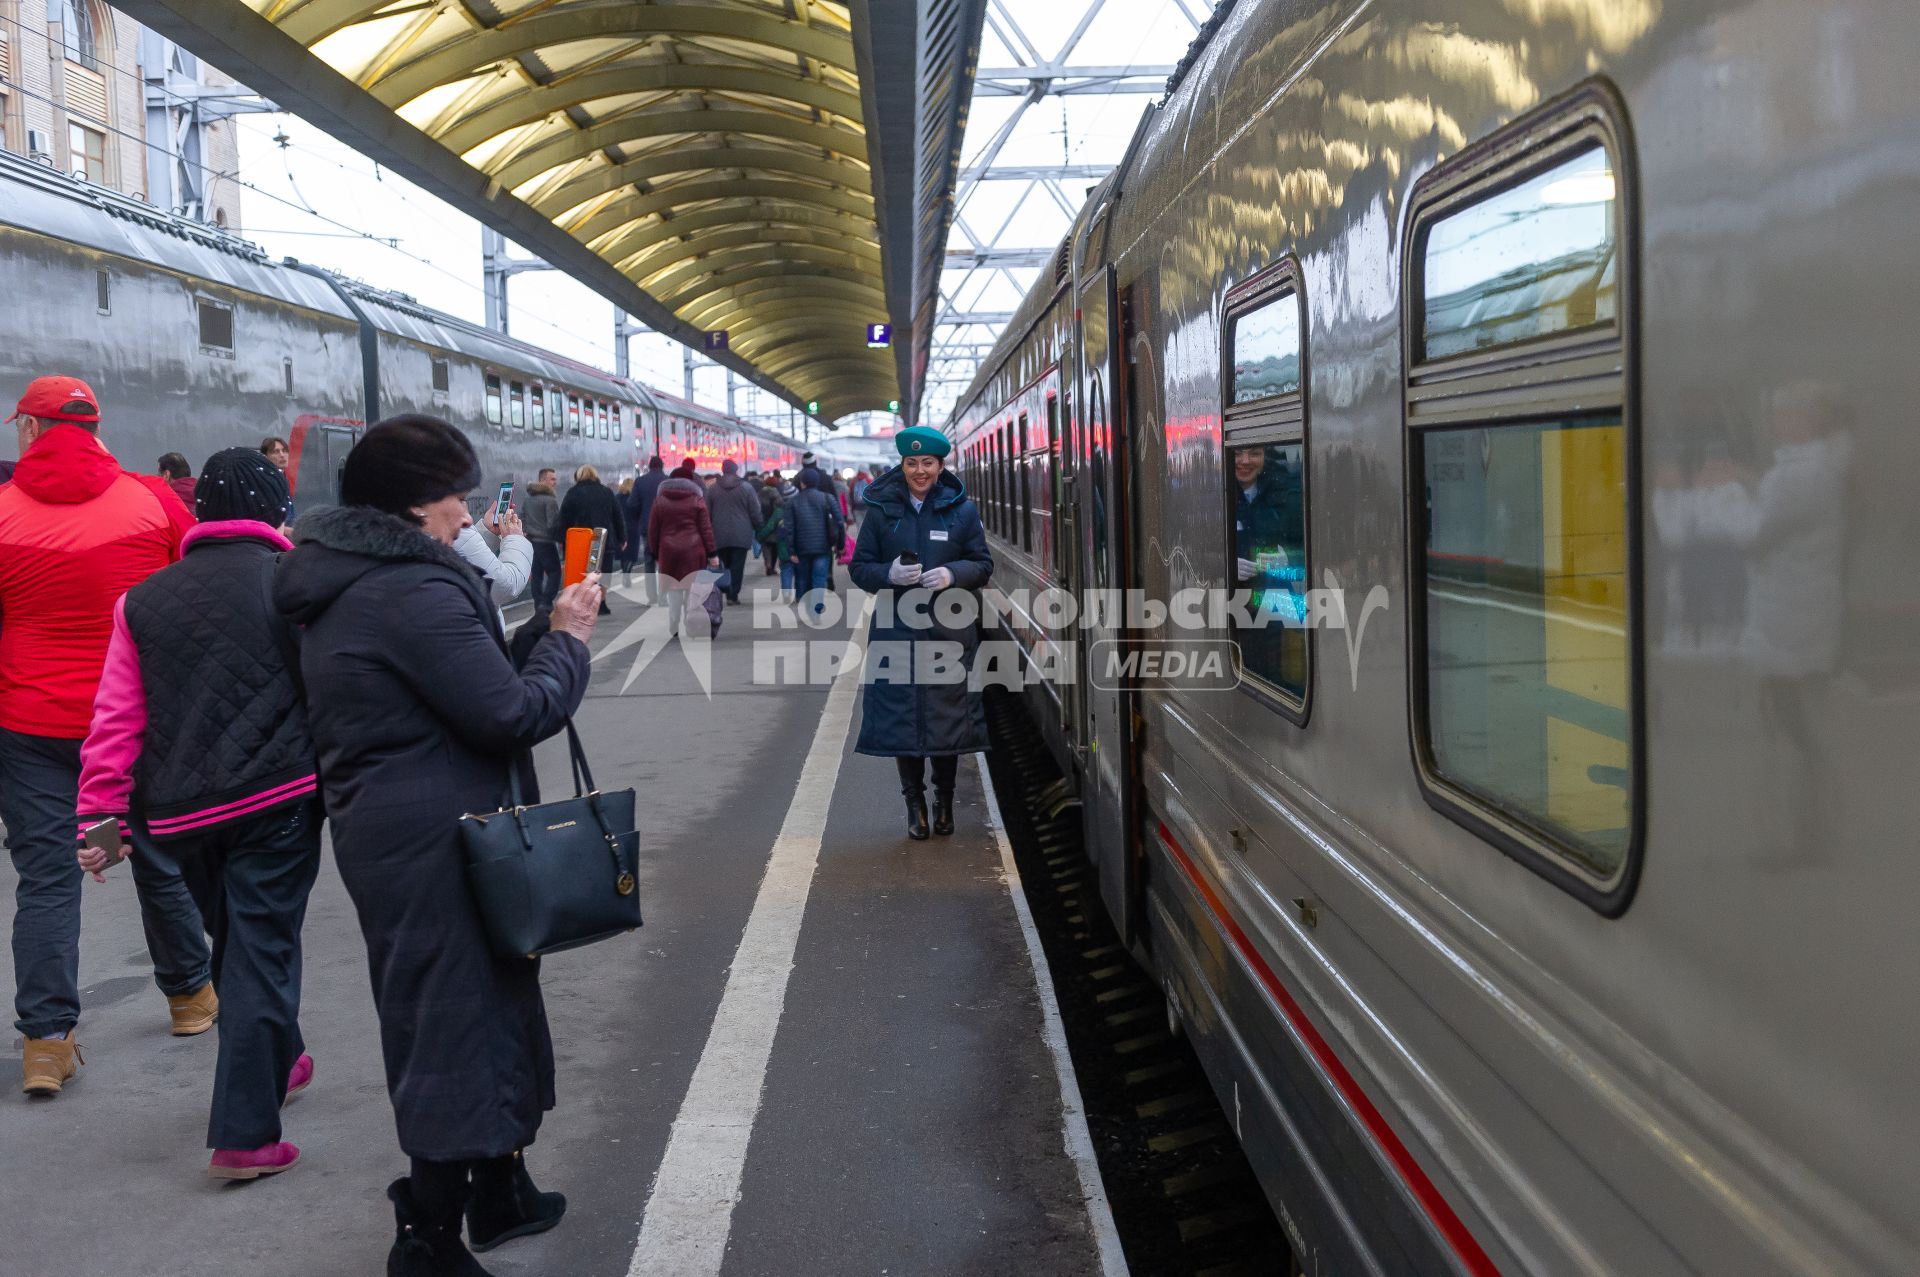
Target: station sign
x: 716, y: 339
x: 879, y: 335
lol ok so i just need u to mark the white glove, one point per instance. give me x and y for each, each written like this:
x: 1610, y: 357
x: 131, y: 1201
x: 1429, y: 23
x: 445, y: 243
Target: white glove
x: 903, y: 573
x: 1245, y: 569
x: 937, y: 578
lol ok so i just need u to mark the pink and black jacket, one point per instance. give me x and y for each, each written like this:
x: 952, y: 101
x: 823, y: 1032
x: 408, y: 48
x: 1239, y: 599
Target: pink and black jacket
x: 200, y: 718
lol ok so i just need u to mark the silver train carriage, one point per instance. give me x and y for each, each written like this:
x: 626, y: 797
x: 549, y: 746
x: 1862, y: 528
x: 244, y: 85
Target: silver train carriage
x: 195, y: 341
x: 1538, y: 374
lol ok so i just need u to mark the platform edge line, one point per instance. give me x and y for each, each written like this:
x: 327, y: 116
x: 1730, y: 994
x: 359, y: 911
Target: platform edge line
x: 688, y: 1216
x: 1074, y: 1133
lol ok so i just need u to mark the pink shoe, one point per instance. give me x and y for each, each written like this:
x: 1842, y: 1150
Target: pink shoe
x: 299, y: 1079
x: 252, y: 1163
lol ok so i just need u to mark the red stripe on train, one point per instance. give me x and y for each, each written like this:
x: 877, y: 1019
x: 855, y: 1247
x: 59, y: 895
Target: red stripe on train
x: 1458, y: 1238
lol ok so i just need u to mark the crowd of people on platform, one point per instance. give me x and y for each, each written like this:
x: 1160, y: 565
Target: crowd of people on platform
x: 192, y: 684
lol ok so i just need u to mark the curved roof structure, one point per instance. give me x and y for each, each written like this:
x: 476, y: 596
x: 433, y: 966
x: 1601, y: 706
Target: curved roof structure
x: 703, y: 162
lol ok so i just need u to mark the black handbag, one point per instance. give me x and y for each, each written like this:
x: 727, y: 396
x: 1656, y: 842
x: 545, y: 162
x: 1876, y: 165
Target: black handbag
x: 556, y: 875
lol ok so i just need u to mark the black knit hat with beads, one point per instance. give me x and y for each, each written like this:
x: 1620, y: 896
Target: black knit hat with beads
x: 240, y: 483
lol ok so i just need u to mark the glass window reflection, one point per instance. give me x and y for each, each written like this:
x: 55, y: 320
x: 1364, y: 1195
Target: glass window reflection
x: 1532, y: 260
x: 1266, y: 351
x: 1527, y: 656
x: 1265, y: 495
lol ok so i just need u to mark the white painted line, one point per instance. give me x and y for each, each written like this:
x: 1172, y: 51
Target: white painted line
x: 1073, y: 1112
x: 690, y: 1209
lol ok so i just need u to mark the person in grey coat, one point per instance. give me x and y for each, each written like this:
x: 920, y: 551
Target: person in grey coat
x: 541, y: 520
x: 735, y: 508
x: 417, y: 715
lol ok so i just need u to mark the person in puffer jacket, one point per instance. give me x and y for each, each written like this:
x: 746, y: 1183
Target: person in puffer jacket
x: 200, y: 741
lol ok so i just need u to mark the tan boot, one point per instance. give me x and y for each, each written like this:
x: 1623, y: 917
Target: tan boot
x: 195, y: 1012
x: 47, y: 1063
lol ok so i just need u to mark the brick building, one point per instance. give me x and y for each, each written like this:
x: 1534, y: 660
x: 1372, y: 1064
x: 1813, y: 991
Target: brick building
x: 89, y: 91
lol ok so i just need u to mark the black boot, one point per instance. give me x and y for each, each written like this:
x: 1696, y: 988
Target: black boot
x: 505, y: 1204
x: 427, y: 1246
x: 943, y: 812
x: 917, y: 815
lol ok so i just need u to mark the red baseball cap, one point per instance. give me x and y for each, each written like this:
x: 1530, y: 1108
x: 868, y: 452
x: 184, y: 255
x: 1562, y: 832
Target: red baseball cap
x: 59, y: 399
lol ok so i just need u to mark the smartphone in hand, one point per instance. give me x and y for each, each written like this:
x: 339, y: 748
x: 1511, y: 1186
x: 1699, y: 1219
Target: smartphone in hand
x: 503, y: 501
x: 909, y: 556
x: 104, y: 836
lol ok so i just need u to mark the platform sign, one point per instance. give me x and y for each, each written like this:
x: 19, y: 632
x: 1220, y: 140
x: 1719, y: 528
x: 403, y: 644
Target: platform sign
x: 879, y: 335
x: 716, y: 340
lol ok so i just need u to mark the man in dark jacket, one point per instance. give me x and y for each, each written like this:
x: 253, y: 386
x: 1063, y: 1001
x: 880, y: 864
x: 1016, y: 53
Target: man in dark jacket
x: 921, y: 508
x: 76, y: 532
x: 590, y: 503
x: 736, y: 518
x: 814, y: 533
x: 646, y: 490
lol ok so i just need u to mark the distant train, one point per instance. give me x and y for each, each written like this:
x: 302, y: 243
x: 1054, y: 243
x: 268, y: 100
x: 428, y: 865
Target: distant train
x: 1549, y: 915
x: 195, y: 341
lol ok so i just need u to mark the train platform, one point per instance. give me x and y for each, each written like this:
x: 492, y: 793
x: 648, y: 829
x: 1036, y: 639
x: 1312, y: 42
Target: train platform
x: 829, y: 1050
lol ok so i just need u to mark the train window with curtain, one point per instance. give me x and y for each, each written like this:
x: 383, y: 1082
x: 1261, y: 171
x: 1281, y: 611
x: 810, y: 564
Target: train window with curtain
x: 493, y: 399
x: 573, y: 415
x: 216, y: 325
x: 1264, y: 446
x: 517, y: 406
x: 1521, y: 460
x: 600, y: 412
x: 537, y: 411
x: 619, y: 421
x: 442, y: 376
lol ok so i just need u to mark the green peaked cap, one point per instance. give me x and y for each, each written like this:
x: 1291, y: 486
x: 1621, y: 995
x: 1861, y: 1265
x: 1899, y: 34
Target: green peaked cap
x: 922, y: 441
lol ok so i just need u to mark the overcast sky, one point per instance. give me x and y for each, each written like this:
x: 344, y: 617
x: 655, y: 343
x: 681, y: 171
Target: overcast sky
x: 311, y: 189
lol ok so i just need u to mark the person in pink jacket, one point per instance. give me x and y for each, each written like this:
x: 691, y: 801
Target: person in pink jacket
x: 200, y: 747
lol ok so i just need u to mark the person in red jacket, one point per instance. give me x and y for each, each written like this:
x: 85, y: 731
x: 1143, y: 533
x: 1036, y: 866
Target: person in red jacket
x: 76, y: 532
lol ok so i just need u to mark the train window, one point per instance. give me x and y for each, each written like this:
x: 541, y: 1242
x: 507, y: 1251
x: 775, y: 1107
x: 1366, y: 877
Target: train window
x: 537, y: 404
x: 573, y: 415
x: 1265, y: 444
x: 601, y: 413
x: 1054, y: 468
x: 517, y: 407
x: 286, y: 368
x: 556, y: 412
x: 103, y: 292
x: 493, y: 399
x: 216, y: 325
x: 619, y: 422
x: 442, y: 376
x: 1025, y: 478
x: 1520, y: 457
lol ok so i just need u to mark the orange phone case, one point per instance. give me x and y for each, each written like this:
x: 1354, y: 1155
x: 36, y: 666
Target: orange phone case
x: 574, y: 569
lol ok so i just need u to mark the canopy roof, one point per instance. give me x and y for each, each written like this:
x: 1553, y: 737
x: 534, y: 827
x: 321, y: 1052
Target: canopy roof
x: 709, y: 154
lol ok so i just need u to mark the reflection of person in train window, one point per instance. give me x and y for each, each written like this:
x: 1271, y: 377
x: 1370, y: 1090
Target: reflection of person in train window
x: 1266, y: 516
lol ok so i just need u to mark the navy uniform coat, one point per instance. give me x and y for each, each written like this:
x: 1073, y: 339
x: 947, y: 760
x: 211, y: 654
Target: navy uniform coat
x: 902, y: 718
x: 417, y: 713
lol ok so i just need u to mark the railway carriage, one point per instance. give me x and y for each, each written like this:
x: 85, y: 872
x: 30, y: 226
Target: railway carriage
x: 1544, y: 908
x: 195, y: 341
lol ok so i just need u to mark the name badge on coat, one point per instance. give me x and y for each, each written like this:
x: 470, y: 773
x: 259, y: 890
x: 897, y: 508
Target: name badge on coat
x: 936, y: 535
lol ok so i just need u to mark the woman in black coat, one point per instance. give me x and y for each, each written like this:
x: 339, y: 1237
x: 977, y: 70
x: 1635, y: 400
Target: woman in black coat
x: 589, y: 503
x: 417, y: 714
x: 921, y: 507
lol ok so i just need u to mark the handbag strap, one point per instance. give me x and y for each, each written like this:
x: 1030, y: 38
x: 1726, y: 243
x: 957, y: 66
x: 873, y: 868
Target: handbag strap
x: 576, y: 761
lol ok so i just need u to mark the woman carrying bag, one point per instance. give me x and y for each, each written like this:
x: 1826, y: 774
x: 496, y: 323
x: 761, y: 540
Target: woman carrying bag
x: 418, y: 715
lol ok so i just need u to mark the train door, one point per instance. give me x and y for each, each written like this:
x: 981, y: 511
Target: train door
x: 1105, y: 703
x: 320, y: 447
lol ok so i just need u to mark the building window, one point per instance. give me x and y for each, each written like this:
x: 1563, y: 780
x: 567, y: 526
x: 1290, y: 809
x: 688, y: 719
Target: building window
x: 89, y: 149
x: 1264, y: 432
x: 1521, y: 459
x: 78, y: 33
x: 216, y: 325
x: 493, y: 400
x: 442, y: 376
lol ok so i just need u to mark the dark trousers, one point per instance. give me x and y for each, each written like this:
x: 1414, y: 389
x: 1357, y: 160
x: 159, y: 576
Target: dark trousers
x: 39, y: 787
x: 546, y: 574
x: 912, y: 773
x: 734, y: 559
x: 251, y: 879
